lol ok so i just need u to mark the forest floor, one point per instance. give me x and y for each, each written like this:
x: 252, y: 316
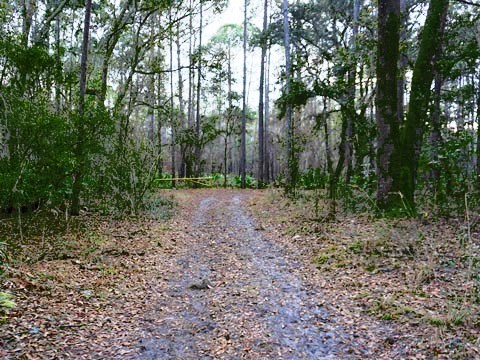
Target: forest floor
x: 245, y: 274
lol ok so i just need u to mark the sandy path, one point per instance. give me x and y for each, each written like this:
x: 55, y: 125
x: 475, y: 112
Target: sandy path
x: 235, y: 294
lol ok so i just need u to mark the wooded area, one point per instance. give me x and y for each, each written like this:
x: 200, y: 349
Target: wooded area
x: 353, y: 118
x: 101, y: 99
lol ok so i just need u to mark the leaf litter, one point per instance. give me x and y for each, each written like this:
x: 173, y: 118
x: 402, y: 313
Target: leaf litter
x: 234, y: 274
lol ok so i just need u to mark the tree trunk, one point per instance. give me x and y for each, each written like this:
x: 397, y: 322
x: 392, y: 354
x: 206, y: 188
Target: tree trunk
x: 151, y: 85
x: 266, y: 129
x: 261, y: 135
x: 199, y: 88
x: 172, y: 114
x: 28, y: 10
x: 78, y: 147
x: 331, y: 178
x: 188, y: 148
x: 243, y: 140
x: 58, y: 95
x: 351, y: 113
x: 478, y: 130
x: 111, y: 41
x: 436, y: 136
x: 158, y: 99
x: 229, y: 119
x: 403, y: 62
x: 289, y: 180
x: 386, y: 102
x: 180, y: 101
x: 422, y: 77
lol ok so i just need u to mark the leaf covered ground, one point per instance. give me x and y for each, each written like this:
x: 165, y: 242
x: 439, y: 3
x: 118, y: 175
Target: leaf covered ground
x: 420, y: 278
x: 243, y: 274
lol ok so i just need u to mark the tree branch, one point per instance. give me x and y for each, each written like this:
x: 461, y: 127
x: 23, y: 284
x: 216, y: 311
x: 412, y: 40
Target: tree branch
x: 40, y: 36
x: 468, y: 2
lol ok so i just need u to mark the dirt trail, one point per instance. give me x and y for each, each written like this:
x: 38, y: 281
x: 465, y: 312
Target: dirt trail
x: 236, y: 294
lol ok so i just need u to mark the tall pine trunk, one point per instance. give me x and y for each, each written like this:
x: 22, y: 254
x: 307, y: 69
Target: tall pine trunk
x: 188, y: 149
x: 261, y: 132
x: 180, y: 101
x: 266, y: 128
x: 243, y: 140
x: 199, y: 89
x: 229, y: 119
x: 172, y: 114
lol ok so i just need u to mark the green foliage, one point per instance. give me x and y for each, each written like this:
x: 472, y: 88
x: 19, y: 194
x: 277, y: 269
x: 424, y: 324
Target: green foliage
x: 236, y: 181
x: 456, y: 175
x: 162, y: 181
x: 37, y: 157
x: 6, y: 301
x: 229, y: 34
x: 313, y: 179
x: 217, y: 179
x: 297, y: 97
x: 130, y: 174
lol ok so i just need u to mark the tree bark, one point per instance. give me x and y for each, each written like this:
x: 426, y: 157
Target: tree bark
x: 172, y: 115
x: 243, y: 140
x: 386, y: 102
x: 58, y: 95
x: 229, y: 119
x: 199, y: 89
x: 267, y: 116
x: 422, y: 78
x: 158, y: 99
x: 478, y: 130
x: 351, y: 113
x: 78, y: 172
x: 436, y: 135
x: 28, y: 10
x: 261, y: 134
x: 288, y: 107
x: 328, y: 153
x: 188, y: 148
x: 52, y: 12
x: 403, y: 62
x: 151, y: 84
x: 180, y: 101
x: 111, y: 41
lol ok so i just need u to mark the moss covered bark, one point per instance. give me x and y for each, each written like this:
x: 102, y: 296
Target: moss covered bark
x: 423, y: 74
x: 386, y: 101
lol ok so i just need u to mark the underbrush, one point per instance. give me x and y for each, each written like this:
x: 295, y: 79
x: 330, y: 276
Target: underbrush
x: 51, y: 236
x: 420, y: 274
